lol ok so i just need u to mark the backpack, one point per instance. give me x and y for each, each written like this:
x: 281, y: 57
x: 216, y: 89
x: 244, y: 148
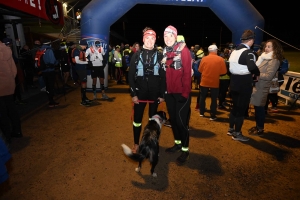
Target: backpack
x: 81, y: 56
x: 39, y: 60
x: 284, y: 67
x: 195, y: 67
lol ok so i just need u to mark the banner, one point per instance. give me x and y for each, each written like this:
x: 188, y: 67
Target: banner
x: 50, y: 10
x: 290, y: 89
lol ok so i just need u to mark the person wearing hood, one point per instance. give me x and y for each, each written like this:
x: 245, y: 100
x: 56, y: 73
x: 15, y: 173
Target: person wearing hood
x: 48, y: 72
x: 177, y: 62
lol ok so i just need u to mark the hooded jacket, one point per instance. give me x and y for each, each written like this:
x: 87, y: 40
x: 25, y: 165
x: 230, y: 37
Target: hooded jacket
x: 8, y: 71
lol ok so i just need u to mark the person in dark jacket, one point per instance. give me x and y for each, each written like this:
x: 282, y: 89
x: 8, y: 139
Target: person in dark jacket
x: 49, y: 72
x: 242, y: 68
x: 177, y: 62
x: 147, y: 82
x: 28, y: 66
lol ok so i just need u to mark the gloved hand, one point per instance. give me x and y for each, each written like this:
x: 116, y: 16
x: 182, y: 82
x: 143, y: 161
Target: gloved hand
x: 90, y: 65
x: 182, y: 99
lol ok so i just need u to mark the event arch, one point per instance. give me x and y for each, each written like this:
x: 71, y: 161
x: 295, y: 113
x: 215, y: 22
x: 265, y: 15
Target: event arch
x: 237, y: 15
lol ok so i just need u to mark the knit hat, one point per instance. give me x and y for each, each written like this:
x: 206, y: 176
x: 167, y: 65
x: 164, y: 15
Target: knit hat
x: 171, y: 29
x: 148, y: 33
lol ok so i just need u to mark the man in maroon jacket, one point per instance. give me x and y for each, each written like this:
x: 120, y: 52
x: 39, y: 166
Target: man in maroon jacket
x: 178, y: 65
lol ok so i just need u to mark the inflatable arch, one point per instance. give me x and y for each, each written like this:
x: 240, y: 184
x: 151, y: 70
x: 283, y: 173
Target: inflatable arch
x: 99, y: 15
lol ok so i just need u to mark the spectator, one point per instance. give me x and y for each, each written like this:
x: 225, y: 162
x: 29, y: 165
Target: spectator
x: 136, y: 47
x: 177, y: 62
x: 20, y: 75
x: 268, y: 63
x: 111, y: 66
x: 118, y: 65
x: 63, y: 58
x: 242, y: 68
x: 36, y: 46
x: 96, y: 56
x: 49, y: 72
x: 78, y: 17
x: 146, y: 81
x: 10, y: 122
x: 81, y: 63
x: 224, y: 82
x: 211, y: 68
x: 126, y: 64
x: 28, y: 66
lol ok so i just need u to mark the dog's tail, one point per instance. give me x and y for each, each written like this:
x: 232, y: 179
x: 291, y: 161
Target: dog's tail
x: 133, y: 156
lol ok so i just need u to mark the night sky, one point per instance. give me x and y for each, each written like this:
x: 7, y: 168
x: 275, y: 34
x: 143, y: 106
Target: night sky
x: 280, y: 21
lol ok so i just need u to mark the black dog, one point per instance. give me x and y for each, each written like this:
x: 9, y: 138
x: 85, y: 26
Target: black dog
x: 149, y: 146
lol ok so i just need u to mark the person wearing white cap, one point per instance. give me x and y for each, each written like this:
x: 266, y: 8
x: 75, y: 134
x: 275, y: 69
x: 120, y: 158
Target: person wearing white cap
x: 177, y: 62
x: 211, y: 67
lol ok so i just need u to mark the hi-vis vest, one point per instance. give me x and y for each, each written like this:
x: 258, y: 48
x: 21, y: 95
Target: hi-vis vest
x: 118, y: 63
x: 142, y: 70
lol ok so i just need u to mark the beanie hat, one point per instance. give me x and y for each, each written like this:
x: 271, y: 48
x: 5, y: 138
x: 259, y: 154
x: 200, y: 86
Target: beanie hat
x: 171, y: 29
x: 148, y: 33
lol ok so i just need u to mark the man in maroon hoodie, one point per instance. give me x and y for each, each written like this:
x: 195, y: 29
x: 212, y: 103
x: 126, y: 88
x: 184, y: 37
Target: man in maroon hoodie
x: 178, y: 66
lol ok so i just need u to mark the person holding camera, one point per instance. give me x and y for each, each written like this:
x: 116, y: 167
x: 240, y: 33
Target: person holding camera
x: 147, y: 82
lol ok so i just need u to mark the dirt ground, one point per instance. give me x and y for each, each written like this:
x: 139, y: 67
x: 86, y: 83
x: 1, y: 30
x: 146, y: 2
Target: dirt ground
x: 74, y: 153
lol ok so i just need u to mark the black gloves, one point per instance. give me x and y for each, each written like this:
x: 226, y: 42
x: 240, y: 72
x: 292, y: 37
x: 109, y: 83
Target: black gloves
x: 182, y: 99
x: 89, y: 65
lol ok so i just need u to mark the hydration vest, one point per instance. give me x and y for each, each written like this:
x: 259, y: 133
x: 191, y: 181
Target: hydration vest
x: 81, y: 56
x: 176, y: 64
x: 93, y: 50
x: 146, y: 69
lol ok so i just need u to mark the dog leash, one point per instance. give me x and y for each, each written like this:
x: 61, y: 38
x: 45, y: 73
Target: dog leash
x: 143, y: 101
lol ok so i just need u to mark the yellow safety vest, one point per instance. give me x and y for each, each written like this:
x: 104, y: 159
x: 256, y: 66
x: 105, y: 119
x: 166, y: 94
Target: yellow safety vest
x: 119, y: 64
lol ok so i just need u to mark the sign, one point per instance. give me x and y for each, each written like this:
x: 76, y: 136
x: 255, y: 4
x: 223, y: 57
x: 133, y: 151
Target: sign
x: 290, y: 89
x: 50, y: 10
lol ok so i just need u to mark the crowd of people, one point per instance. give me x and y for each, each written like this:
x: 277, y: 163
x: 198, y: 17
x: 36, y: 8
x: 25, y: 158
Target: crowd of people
x: 154, y: 75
